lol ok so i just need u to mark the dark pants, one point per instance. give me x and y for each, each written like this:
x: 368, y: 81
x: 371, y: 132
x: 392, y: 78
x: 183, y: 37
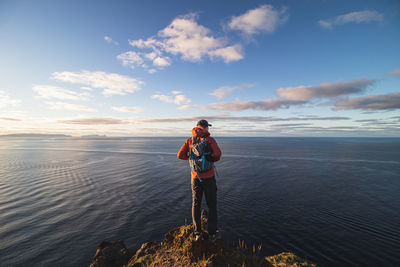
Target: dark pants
x: 209, y: 187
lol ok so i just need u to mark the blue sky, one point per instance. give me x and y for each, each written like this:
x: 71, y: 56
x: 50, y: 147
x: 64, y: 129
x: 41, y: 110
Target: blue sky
x: 252, y: 68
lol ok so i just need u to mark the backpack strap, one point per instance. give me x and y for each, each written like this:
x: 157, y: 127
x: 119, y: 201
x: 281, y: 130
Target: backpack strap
x: 194, y: 140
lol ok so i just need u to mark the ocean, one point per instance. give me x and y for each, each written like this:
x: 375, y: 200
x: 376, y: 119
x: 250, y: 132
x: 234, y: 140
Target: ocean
x: 333, y: 201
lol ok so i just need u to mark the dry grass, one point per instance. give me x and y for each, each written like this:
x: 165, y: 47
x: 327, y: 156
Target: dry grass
x: 288, y: 259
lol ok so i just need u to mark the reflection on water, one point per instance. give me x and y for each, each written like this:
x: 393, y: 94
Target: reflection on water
x: 334, y: 201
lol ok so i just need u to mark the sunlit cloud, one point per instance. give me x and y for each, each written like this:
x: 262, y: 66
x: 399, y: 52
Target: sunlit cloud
x: 94, y: 121
x: 8, y: 101
x: 192, y: 41
x: 111, y: 83
x: 224, y: 91
x: 228, y: 54
x: 287, y: 97
x: 363, y: 16
x: 161, y: 61
x: 134, y: 59
x: 68, y: 106
x: 9, y: 119
x: 324, y: 90
x: 149, y: 43
x: 265, y: 18
x: 236, y: 118
x: 371, y: 102
x: 50, y: 92
x: 183, y: 37
x: 269, y: 104
x: 128, y: 109
x: 285, y: 125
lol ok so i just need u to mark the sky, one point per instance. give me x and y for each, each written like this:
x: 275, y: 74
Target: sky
x: 154, y: 68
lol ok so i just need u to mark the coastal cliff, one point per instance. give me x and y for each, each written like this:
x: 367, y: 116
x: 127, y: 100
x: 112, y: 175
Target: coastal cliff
x: 179, y: 248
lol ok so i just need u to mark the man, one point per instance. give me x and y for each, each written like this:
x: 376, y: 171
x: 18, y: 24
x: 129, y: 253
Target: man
x: 203, y: 176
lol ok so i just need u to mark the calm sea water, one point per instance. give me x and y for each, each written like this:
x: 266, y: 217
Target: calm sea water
x: 334, y: 201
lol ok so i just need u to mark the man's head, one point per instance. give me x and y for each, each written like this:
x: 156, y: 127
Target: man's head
x: 203, y: 123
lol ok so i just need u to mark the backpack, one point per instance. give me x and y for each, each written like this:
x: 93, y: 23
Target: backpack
x: 199, y: 157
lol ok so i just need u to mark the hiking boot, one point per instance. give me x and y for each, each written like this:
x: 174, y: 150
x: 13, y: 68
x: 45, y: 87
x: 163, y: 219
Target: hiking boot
x: 212, y: 238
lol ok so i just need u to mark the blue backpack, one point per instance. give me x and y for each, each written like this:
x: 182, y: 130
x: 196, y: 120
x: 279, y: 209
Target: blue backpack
x: 199, y: 155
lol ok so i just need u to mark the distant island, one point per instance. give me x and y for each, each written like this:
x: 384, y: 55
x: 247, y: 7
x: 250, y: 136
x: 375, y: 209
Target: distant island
x: 34, y: 135
x: 37, y: 135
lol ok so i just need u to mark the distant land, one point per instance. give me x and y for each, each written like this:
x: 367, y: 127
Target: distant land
x: 36, y: 135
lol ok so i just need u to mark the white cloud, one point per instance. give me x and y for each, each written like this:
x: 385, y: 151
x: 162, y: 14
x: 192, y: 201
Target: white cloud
x: 183, y: 37
x: 224, y: 91
x: 150, y: 56
x: 130, y: 58
x: 69, y: 106
x: 363, y: 16
x: 161, y: 61
x: 262, y: 19
x: 49, y: 92
x: 163, y: 98
x: 178, y: 99
x: 149, y: 43
x: 324, y: 90
x: 7, y: 101
x: 175, y: 92
x: 395, y: 72
x: 111, y: 83
x: 228, y: 54
x: 109, y: 40
x: 181, y: 99
x: 133, y: 59
x: 371, y: 102
x: 128, y: 109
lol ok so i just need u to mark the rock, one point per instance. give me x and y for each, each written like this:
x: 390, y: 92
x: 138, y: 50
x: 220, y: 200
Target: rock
x: 180, y: 248
x: 111, y: 254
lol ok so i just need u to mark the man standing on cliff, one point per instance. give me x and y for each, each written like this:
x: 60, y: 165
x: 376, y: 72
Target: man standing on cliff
x: 202, y: 151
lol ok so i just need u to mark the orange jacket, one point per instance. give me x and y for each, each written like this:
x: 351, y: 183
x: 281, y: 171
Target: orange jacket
x: 199, y: 132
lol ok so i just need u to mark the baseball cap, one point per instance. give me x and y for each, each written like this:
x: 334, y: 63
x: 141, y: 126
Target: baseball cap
x: 203, y: 123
